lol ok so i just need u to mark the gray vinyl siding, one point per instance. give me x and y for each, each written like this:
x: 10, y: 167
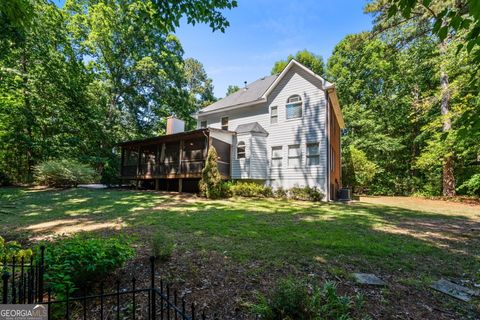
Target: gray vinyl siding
x: 310, y: 128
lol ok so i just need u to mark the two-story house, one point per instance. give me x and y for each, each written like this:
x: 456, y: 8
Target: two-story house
x: 281, y: 130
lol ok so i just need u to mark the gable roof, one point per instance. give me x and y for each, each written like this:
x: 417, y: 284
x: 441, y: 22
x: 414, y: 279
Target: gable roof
x: 258, y: 91
x: 252, y: 127
x: 250, y: 93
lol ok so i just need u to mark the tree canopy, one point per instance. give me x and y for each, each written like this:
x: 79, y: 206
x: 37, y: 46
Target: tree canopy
x: 75, y: 81
x: 312, y: 61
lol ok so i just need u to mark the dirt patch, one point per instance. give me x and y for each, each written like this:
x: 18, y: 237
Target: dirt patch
x: 226, y: 289
x: 459, y: 209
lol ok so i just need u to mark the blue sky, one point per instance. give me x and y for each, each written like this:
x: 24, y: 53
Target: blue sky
x: 264, y: 31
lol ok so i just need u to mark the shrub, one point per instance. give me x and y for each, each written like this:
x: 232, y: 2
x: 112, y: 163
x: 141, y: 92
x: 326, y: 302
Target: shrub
x: 9, y: 249
x: 281, y: 193
x: 358, y: 171
x: 5, y: 179
x: 63, y: 173
x: 76, y: 260
x: 471, y: 187
x: 249, y: 189
x: 295, y: 299
x: 306, y: 193
x: 211, y: 184
x: 162, y: 246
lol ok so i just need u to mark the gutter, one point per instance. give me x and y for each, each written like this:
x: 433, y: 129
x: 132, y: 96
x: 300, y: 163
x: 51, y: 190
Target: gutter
x: 327, y: 127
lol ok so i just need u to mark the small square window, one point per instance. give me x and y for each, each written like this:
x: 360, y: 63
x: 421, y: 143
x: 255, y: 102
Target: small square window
x: 224, y: 123
x: 203, y: 124
x: 277, y: 156
x: 274, y: 115
x: 294, y: 155
x: 313, y: 154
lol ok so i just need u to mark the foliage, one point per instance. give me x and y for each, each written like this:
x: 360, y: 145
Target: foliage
x: 63, y: 173
x: 358, y: 170
x: 77, y: 80
x: 459, y: 17
x: 312, y: 61
x: 439, y: 91
x: 296, y: 299
x: 162, y: 246
x: 306, y: 193
x: 4, y: 179
x: 232, y: 89
x: 471, y: 186
x: 199, y: 85
x: 210, y: 184
x: 280, y: 193
x: 10, y: 249
x: 77, y: 260
x: 250, y: 189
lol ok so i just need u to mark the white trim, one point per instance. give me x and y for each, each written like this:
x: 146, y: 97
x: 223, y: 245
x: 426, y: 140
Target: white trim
x: 295, y: 103
x: 284, y: 72
x: 233, y: 107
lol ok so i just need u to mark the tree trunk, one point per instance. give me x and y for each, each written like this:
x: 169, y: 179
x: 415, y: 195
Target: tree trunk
x: 448, y: 161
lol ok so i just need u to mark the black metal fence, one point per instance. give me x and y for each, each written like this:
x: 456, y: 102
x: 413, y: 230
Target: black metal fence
x: 23, y: 282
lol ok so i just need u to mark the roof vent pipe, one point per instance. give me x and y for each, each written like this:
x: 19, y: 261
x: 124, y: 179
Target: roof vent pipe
x: 245, y: 85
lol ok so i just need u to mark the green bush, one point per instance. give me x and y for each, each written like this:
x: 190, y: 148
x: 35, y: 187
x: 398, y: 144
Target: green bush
x: 5, y: 179
x: 250, y: 189
x: 162, y: 246
x: 471, y: 187
x: 306, y: 193
x: 211, y: 184
x: 358, y: 170
x: 76, y: 260
x: 63, y: 173
x: 280, y: 193
x: 295, y: 299
x: 9, y: 249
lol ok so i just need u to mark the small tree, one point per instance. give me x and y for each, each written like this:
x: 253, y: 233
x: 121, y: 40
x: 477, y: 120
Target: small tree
x: 211, y: 182
x: 358, y: 171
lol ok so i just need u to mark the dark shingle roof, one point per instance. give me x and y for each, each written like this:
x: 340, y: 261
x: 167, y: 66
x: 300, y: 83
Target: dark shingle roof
x: 254, y: 91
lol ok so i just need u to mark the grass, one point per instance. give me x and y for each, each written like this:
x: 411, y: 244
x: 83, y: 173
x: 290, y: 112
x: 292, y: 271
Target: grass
x: 362, y: 237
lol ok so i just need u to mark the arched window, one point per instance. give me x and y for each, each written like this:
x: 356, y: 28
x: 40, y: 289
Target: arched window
x: 241, y: 150
x: 294, y: 107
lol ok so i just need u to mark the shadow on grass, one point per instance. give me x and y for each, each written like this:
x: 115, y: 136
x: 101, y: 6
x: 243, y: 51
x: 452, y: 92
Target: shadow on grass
x: 357, y: 237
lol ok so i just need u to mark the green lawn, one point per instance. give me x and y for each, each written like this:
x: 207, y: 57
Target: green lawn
x: 342, y: 238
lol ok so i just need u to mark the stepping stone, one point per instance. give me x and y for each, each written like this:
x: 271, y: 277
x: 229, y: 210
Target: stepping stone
x: 369, y: 279
x: 454, y: 290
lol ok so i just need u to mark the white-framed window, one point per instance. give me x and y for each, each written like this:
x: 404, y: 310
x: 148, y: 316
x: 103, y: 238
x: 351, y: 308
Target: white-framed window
x: 241, y: 150
x: 294, y: 107
x: 203, y: 124
x: 294, y: 155
x: 313, y: 154
x: 277, y: 156
x: 274, y: 115
x: 224, y: 123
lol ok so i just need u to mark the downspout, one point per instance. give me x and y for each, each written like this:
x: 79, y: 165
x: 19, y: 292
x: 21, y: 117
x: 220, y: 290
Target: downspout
x: 327, y: 117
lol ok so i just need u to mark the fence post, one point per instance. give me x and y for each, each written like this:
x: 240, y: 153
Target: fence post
x: 152, y: 286
x: 5, y: 277
x: 14, y: 291
x: 41, y: 272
